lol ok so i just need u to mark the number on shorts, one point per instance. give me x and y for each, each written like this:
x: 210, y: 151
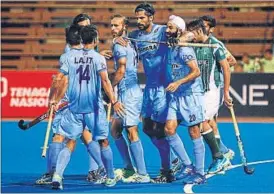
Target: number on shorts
x: 83, y: 75
x: 192, y: 118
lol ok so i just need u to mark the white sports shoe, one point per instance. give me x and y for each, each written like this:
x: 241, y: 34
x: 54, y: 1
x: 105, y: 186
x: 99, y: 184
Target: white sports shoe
x: 229, y: 154
x: 137, y: 178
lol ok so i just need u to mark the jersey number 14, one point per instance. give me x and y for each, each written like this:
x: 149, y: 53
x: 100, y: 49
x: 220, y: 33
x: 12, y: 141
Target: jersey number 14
x: 83, y: 73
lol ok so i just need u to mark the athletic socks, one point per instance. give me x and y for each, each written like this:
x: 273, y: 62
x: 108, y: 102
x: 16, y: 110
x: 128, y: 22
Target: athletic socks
x: 94, y: 151
x: 123, y: 149
x: 164, y: 150
x: 178, y: 147
x: 199, y: 153
x: 62, y: 161
x: 92, y: 163
x: 53, y: 152
x: 221, y: 145
x: 173, y: 156
x: 212, y: 143
x: 107, y: 158
x: 137, y: 152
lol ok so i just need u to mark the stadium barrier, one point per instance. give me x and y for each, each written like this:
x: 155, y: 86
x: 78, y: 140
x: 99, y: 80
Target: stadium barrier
x: 24, y: 94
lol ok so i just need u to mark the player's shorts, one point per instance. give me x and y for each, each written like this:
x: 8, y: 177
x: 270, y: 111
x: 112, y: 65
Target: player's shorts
x: 189, y: 109
x: 57, y: 118
x: 155, y: 105
x: 213, y: 101
x: 132, y: 99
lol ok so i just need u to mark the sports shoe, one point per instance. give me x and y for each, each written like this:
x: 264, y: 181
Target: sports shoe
x: 176, y: 165
x: 124, y: 172
x: 166, y: 176
x: 137, y: 178
x: 112, y: 182
x: 218, y: 165
x: 57, y: 182
x: 97, y: 176
x: 229, y: 154
x: 45, y: 179
x: 195, y: 178
x: 185, y: 171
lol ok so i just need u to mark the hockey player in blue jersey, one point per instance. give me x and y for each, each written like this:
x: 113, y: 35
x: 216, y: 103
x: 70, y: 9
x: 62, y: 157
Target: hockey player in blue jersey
x: 130, y: 94
x: 85, y: 71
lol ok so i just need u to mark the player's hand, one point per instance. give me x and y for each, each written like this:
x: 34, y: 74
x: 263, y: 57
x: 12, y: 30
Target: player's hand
x: 106, y: 53
x: 228, y: 100
x: 172, y: 42
x: 119, y: 109
x: 172, y: 87
x: 120, y: 40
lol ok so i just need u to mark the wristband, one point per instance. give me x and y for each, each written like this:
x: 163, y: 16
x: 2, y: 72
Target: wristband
x: 115, y: 103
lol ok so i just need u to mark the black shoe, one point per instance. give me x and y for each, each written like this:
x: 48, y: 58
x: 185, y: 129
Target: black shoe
x: 166, y: 176
x: 45, y: 179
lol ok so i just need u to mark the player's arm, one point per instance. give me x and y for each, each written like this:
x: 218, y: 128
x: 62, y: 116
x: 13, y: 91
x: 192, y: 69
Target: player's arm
x: 120, y: 73
x: 226, y: 71
x: 118, y: 107
x: 230, y: 59
x: 194, y: 73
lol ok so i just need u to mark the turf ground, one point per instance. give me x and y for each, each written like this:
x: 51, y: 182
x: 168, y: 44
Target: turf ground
x: 21, y: 163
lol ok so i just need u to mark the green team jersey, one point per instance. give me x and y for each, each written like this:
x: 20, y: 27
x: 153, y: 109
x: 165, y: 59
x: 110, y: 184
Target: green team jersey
x: 208, y: 62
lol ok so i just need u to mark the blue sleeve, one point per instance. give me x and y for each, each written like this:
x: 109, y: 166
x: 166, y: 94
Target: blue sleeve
x: 187, y: 54
x: 101, y: 64
x: 67, y: 48
x: 63, y: 63
x: 119, y: 52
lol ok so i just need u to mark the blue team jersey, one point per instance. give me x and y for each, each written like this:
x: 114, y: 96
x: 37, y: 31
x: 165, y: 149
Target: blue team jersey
x: 84, y: 89
x: 130, y: 78
x: 152, y: 55
x: 178, y: 57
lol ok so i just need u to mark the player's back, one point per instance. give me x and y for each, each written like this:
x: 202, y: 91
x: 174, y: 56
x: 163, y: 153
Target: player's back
x: 84, y: 82
x: 130, y: 78
x: 152, y: 55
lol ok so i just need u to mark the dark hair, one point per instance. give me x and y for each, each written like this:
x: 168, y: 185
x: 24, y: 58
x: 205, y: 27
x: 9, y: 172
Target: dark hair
x: 148, y: 8
x: 89, y: 34
x: 73, y: 35
x: 268, y: 51
x: 210, y: 19
x: 196, y: 24
x: 81, y: 17
x: 125, y: 19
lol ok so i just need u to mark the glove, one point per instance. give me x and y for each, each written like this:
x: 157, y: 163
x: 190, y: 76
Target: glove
x: 172, y: 42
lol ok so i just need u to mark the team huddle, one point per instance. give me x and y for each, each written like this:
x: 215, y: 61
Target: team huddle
x: 184, y: 85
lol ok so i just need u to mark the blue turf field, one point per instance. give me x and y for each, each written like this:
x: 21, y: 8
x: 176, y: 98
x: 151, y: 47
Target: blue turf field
x: 22, y: 163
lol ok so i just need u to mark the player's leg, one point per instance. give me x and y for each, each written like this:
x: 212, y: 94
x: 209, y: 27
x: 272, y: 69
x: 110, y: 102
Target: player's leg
x: 96, y: 167
x: 120, y: 141
x: 54, y: 149
x: 71, y: 127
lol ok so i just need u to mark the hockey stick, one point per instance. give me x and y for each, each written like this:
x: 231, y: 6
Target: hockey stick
x: 183, y: 44
x: 108, y: 112
x: 48, y: 132
x: 240, y: 143
x: 42, y: 117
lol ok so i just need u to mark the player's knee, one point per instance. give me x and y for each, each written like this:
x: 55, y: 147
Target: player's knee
x: 133, y: 134
x: 58, y: 138
x: 71, y: 145
x: 169, y: 130
x: 103, y: 142
x: 115, y: 134
x: 86, y: 136
x: 194, y: 132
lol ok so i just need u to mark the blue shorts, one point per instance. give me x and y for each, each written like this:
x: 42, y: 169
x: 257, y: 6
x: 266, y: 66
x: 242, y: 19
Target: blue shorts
x: 72, y: 125
x: 190, y: 109
x: 155, y: 104
x: 57, y: 119
x: 132, y: 99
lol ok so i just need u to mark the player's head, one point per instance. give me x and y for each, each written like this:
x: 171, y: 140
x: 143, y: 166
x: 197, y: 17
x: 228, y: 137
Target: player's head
x: 144, y: 14
x: 197, y: 27
x: 89, y: 35
x: 268, y: 54
x: 82, y: 20
x: 119, y: 25
x: 175, y: 26
x: 210, y: 23
x: 73, y: 37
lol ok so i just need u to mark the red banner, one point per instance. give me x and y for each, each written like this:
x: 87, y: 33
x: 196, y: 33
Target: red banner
x: 25, y: 93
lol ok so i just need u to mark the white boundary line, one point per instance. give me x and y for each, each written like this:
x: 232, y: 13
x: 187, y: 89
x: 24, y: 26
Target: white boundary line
x: 188, y: 187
